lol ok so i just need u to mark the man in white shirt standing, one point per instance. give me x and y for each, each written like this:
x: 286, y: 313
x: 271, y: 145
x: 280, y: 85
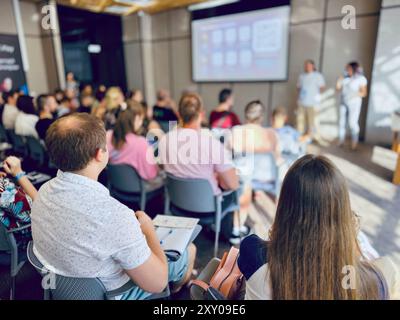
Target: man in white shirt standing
x: 310, y: 85
x: 10, y: 111
x: 79, y: 230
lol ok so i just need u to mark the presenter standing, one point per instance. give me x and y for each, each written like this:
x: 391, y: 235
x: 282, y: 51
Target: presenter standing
x: 353, y: 88
x: 310, y: 85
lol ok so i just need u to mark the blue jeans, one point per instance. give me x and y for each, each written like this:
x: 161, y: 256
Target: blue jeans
x: 176, y: 272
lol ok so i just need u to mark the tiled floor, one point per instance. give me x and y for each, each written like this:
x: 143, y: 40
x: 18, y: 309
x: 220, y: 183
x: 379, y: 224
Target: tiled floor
x: 374, y: 198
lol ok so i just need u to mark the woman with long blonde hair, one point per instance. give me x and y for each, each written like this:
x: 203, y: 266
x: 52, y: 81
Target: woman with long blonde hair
x: 108, y: 109
x: 313, y: 252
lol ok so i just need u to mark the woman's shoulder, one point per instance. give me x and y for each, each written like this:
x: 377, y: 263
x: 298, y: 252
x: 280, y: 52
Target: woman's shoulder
x: 253, y: 255
x: 389, y: 266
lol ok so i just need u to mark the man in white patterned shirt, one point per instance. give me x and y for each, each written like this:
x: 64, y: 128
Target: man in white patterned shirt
x: 79, y: 230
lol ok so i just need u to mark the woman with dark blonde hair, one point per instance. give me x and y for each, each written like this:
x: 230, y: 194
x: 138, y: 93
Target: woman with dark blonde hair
x: 127, y: 146
x: 313, y: 252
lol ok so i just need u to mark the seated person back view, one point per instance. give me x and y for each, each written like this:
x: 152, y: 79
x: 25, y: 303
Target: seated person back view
x: 192, y: 152
x: 165, y: 109
x: 314, y: 251
x: 47, y: 109
x: 15, y: 201
x: 10, y: 111
x: 126, y: 146
x: 79, y: 230
x: 27, y: 117
x: 222, y: 117
x: 291, y: 142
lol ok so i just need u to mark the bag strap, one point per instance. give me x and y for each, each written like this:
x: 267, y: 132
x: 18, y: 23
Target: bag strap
x: 199, y: 283
x: 228, y: 265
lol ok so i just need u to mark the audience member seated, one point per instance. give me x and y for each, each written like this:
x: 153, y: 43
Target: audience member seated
x: 313, y: 244
x: 250, y: 144
x: 165, y: 108
x: 126, y: 146
x: 80, y: 231
x: 86, y: 103
x: 47, y: 109
x: 217, y: 168
x: 65, y: 107
x: 222, y: 117
x: 16, y: 201
x: 99, y: 105
x: 292, y: 144
x: 72, y: 96
x: 10, y: 111
x: 27, y: 117
x: 136, y: 95
x: 59, y: 95
x: 114, y: 101
x: 193, y: 153
x: 86, y: 90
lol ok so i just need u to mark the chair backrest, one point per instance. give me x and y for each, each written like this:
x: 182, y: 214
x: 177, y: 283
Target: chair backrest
x: 17, y: 141
x: 4, y: 239
x: 261, y: 167
x: 124, y: 178
x: 266, y: 167
x: 3, y: 134
x: 36, y: 149
x: 67, y: 288
x: 194, y: 195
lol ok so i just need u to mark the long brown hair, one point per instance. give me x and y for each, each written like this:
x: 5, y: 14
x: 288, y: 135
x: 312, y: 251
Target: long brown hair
x: 314, y: 236
x: 126, y: 123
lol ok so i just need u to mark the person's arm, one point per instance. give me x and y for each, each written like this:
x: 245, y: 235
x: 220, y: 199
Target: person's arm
x: 339, y: 83
x: 322, y: 84
x: 152, y: 275
x: 298, y: 87
x: 12, y: 165
x: 228, y: 179
x: 363, y: 91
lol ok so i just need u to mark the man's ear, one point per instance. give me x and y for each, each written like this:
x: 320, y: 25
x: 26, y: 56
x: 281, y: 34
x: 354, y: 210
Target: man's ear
x: 99, y: 155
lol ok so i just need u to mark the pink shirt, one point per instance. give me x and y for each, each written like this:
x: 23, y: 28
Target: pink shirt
x: 192, y: 154
x: 136, y: 153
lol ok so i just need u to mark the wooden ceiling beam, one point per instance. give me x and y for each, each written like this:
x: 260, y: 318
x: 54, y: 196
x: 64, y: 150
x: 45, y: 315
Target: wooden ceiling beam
x: 154, y: 7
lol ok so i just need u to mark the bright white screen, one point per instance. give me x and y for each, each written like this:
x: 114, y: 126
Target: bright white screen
x: 250, y: 46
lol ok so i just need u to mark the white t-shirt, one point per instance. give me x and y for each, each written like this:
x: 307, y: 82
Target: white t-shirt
x: 10, y: 114
x: 351, y: 89
x: 310, y: 85
x: 79, y: 230
x: 25, y: 125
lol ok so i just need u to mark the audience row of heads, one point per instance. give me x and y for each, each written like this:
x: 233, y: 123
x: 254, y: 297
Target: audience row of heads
x: 190, y: 107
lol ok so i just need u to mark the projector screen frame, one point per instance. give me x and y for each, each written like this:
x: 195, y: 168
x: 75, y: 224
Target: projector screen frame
x: 213, y: 13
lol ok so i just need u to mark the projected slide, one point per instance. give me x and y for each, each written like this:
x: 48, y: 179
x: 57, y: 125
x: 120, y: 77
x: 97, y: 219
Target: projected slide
x: 250, y: 46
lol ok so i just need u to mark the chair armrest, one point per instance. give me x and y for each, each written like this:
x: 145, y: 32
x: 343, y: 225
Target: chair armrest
x: 196, y: 293
x: 19, y: 229
x: 226, y: 193
x: 120, y: 291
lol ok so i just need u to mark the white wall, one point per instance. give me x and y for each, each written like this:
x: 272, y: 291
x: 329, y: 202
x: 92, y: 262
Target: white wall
x: 385, y: 89
x: 42, y: 74
x: 315, y: 33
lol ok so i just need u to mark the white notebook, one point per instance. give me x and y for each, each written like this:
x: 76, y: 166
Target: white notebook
x: 175, y: 233
x: 174, y: 240
x: 163, y: 220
